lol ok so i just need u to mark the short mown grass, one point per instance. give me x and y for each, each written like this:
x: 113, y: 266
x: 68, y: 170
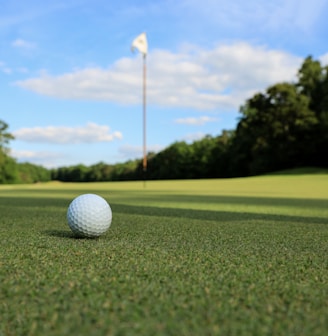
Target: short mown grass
x: 208, y: 257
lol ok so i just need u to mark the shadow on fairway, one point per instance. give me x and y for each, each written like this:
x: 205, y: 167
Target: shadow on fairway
x: 236, y: 200
x: 212, y: 215
x: 63, y: 234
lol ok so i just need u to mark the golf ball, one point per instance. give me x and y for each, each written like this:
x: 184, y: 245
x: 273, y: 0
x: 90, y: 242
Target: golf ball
x: 89, y: 215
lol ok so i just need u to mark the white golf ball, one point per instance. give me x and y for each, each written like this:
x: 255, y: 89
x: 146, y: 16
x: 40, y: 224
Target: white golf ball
x: 89, y: 215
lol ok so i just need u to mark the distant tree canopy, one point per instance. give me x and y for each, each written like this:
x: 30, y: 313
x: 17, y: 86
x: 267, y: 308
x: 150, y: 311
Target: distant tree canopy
x: 30, y: 173
x: 8, y: 171
x: 13, y: 172
x: 284, y: 127
x: 5, y: 136
x: 313, y: 83
x: 274, y: 131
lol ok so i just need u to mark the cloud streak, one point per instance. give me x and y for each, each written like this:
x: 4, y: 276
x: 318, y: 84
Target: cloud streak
x: 324, y: 59
x: 5, y: 69
x: 291, y: 15
x: 90, y: 133
x: 193, y: 137
x: 195, y: 121
x: 20, y: 43
x: 132, y: 151
x: 23, y: 12
x: 219, y: 78
x: 44, y: 158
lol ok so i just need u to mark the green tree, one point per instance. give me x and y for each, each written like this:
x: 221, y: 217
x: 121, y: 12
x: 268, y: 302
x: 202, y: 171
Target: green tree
x: 8, y: 168
x: 313, y: 82
x: 5, y: 137
x: 30, y: 173
x: 125, y: 171
x: 78, y: 173
x: 275, y: 130
x: 174, y: 162
x: 100, y: 172
x: 201, y: 157
x: 219, y: 164
x: 310, y: 77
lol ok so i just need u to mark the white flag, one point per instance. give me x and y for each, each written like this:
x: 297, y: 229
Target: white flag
x: 140, y: 43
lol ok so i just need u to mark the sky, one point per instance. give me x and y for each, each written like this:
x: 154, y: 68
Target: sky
x: 71, y: 89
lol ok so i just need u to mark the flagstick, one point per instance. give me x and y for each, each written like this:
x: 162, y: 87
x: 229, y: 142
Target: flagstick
x: 144, y: 122
x: 140, y: 43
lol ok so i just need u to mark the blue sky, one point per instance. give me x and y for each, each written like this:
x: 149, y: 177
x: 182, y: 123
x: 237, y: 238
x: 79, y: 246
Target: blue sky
x: 71, y: 90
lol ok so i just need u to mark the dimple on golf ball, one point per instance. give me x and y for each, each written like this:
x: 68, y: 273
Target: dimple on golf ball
x: 89, y: 215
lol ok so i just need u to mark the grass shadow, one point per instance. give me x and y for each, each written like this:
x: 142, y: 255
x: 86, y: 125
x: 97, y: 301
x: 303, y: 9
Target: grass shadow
x: 212, y: 215
x: 64, y: 234
x: 299, y: 171
x: 236, y: 200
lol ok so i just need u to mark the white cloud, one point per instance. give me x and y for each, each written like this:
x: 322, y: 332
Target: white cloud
x: 90, y: 133
x: 22, y: 70
x: 290, y: 16
x: 324, y: 59
x: 4, y: 68
x: 44, y: 158
x: 132, y: 151
x: 219, y: 78
x: 31, y: 11
x: 20, y: 43
x: 193, y: 137
x: 302, y: 13
x: 7, y: 70
x: 195, y: 121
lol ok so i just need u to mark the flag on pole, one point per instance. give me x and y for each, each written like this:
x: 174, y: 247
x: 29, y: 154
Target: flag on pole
x: 140, y: 43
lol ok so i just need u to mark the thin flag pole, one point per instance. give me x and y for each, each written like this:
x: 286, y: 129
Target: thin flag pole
x: 144, y: 165
x: 140, y: 43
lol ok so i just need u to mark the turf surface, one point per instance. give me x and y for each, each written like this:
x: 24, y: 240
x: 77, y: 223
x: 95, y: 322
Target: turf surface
x: 208, y: 257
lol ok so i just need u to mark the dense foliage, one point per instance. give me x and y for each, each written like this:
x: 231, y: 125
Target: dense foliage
x: 30, y: 173
x: 7, y: 164
x: 284, y: 127
x: 13, y: 172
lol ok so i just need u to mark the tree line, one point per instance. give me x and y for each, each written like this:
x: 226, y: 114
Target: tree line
x: 13, y: 172
x: 284, y: 127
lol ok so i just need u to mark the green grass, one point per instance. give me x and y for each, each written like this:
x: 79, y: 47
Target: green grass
x: 208, y: 257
